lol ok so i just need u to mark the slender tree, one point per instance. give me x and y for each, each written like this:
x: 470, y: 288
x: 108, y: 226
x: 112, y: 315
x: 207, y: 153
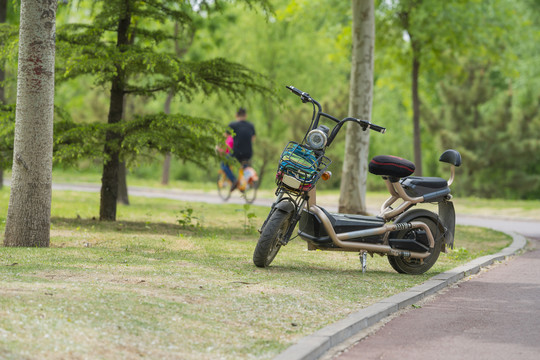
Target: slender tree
x: 28, y: 219
x: 430, y: 37
x: 416, y: 47
x: 180, y: 51
x: 354, y: 176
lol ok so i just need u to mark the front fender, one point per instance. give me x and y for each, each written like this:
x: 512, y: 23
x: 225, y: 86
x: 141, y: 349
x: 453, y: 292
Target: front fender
x: 286, y: 206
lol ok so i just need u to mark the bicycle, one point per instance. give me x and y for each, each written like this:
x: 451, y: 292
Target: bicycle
x: 248, y: 183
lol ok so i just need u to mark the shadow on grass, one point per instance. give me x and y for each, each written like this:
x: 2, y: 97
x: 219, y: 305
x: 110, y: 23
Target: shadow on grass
x: 327, y: 270
x: 142, y: 227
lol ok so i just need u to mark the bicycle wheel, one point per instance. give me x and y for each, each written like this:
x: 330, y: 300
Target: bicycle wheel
x: 224, y: 186
x: 250, y: 193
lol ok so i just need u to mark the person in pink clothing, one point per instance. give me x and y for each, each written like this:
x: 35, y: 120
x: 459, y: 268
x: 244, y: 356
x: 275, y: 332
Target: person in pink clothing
x: 229, y: 142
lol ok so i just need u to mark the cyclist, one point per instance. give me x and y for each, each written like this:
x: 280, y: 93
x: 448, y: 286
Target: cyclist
x: 242, y: 150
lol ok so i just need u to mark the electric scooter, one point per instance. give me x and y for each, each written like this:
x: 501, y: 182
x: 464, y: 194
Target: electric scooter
x: 412, y: 239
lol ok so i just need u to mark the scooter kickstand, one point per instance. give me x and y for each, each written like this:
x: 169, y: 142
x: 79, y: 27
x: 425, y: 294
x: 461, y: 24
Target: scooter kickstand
x: 363, y: 260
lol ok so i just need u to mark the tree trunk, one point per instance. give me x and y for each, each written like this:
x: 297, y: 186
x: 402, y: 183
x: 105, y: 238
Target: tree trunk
x: 167, y: 161
x: 113, y: 139
x: 166, y: 169
x: 109, y: 179
x: 354, y: 176
x: 123, y: 197
x: 416, y: 114
x: 29, y: 211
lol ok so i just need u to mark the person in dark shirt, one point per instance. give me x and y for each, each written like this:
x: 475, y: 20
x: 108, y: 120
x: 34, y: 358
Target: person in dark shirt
x: 244, y: 134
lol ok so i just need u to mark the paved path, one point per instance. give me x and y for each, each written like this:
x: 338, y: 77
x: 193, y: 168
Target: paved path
x: 195, y: 196
x: 528, y: 228
x: 494, y: 315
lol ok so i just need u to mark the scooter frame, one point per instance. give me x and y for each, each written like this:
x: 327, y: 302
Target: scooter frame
x: 387, y: 213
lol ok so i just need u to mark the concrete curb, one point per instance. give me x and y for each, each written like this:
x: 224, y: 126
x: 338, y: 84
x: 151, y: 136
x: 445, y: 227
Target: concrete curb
x: 314, y: 346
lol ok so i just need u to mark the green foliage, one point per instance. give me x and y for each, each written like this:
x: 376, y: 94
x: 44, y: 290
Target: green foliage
x: 495, y: 136
x: 186, y: 137
x: 7, y: 135
x: 249, y: 220
x: 136, y: 48
x: 187, y: 220
x: 305, y: 43
x: 459, y: 253
x: 435, y: 36
x: 145, y: 60
x: 9, y: 35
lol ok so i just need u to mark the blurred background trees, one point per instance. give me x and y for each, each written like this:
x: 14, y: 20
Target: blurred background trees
x: 474, y: 89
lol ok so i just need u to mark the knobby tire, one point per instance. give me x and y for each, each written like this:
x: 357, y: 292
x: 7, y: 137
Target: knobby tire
x: 270, y: 240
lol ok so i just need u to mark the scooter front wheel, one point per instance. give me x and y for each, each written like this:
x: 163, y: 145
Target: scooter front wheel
x: 416, y: 266
x: 271, y: 238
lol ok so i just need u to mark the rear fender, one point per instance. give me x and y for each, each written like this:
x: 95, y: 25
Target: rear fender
x: 448, y: 218
x: 411, y: 215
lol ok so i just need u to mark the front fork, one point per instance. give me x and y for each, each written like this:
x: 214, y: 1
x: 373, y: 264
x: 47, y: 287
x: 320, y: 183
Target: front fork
x: 288, y: 205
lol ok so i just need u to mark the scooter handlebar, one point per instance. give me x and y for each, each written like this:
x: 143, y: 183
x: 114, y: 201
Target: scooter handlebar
x: 368, y: 125
x: 364, y: 123
x: 294, y: 90
x: 378, y: 128
x: 303, y: 95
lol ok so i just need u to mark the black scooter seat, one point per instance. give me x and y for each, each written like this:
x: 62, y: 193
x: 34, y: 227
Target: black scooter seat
x: 433, y: 189
x: 435, y: 183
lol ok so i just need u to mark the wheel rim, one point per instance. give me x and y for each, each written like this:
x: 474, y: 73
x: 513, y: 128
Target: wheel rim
x: 224, y: 186
x: 251, y: 191
x: 417, y: 266
x: 410, y: 261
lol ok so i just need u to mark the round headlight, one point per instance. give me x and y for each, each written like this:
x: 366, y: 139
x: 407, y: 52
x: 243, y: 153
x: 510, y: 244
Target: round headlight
x: 316, y: 139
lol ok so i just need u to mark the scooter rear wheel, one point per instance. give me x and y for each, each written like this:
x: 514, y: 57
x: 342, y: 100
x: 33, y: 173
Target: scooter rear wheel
x: 270, y: 240
x: 416, y: 266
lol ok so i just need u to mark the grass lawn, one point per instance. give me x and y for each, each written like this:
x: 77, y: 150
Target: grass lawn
x: 175, y: 280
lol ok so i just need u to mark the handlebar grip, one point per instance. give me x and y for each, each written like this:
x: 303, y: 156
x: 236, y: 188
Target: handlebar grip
x: 303, y: 95
x: 294, y: 90
x: 378, y: 128
x: 368, y: 125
